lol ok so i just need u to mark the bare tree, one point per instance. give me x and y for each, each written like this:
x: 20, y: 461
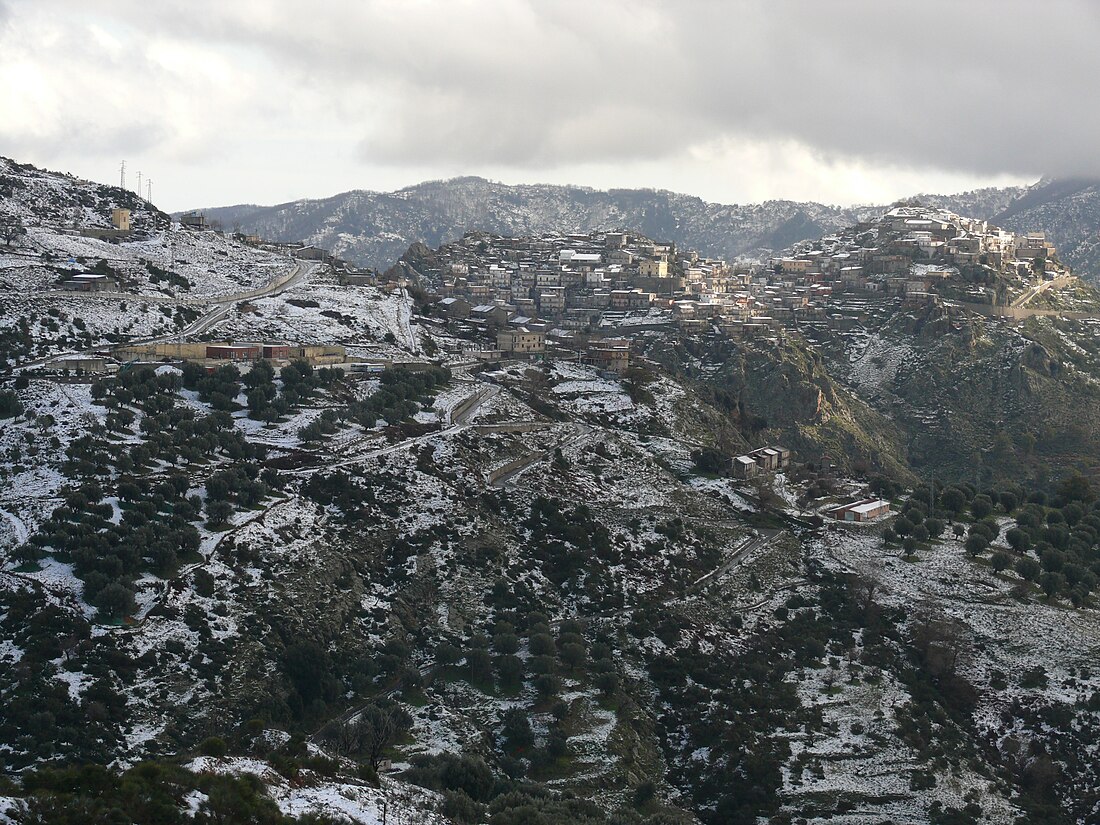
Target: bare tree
x: 940, y: 642
x: 11, y: 229
x: 370, y: 733
x: 866, y: 588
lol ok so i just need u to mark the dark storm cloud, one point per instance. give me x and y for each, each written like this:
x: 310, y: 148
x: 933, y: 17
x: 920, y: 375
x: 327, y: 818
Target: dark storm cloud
x: 986, y: 86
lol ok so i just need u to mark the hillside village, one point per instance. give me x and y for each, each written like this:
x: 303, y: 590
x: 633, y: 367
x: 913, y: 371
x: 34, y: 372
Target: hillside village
x: 594, y: 296
x: 555, y: 290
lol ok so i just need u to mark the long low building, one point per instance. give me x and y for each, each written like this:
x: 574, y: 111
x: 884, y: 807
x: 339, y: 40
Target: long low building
x: 315, y: 354
x: 86, y: 364
x: 233, y: 352
x: 867, y: 509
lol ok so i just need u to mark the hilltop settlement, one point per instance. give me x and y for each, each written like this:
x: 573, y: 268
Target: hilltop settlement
x: 549, y: 291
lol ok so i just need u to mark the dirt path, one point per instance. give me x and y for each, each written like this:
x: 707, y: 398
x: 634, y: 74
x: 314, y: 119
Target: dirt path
x: 1037, y: 290
x: 17, y: 526
x: 140, y: 618
x: 460, y: 424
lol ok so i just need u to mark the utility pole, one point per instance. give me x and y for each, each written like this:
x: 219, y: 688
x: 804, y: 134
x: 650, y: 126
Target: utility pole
x: 122, y: 176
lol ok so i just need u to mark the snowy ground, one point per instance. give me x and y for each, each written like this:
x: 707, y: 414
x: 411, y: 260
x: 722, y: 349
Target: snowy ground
x: 320, y: 311
x: 394, y: 803
x: 65, y: 321
x: 1006, y: 636
x: 213, y: 264
x: 860, y: 757
x: 874, y: 368
x: 30, y: 491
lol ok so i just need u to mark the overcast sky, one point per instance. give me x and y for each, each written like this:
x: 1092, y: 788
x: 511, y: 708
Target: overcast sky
x: 846, y: 101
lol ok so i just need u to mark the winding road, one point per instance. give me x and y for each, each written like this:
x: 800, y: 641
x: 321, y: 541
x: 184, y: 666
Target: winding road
x: 1041, y: 287
x: 219, y: 307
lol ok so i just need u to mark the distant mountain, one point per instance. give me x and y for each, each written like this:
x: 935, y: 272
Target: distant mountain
x: 977, y: 203
x: 1069, y: 211
x: 375, y: 228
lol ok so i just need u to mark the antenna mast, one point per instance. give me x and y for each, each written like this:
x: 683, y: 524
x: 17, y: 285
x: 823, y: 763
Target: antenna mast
x: 122, y: 176
x: 139, y: 184
x: 149, y: 189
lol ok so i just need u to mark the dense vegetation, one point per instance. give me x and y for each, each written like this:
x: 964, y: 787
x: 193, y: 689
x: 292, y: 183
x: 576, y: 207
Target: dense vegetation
x: 1053, y: 547
x: 151, y: 792
x: 299, y: 384
x: 148, y: 524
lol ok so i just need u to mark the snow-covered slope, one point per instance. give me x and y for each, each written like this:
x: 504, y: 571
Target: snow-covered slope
x: 38, y: 196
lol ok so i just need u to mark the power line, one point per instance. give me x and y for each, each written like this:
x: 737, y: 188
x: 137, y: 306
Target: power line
x: 122, y: 176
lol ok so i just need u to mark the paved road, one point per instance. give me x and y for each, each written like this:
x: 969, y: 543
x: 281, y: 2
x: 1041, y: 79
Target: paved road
x: 220, y: 306
x: 1040, y: 288
x: 751, y: 546
x: 298, y: 273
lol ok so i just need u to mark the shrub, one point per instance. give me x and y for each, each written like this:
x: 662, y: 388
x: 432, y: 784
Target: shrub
x: 10, y: 407
x: 115, y: 600
x: 934, y: 526
x: 981, y: 506
x: 459, y: 807
x: 975, y: 544
x: 214, y: 746
x: 644, y: 793
x: 1028, y: 568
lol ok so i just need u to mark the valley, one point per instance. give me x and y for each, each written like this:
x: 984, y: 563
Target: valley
x: 283, y: 540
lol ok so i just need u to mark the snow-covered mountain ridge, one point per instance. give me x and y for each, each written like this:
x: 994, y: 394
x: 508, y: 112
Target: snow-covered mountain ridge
x: 374, y: 228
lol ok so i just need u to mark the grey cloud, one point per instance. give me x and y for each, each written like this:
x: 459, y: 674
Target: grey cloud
x: 989, y: 86
x: 93, y: 140
x: 978, y: 86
